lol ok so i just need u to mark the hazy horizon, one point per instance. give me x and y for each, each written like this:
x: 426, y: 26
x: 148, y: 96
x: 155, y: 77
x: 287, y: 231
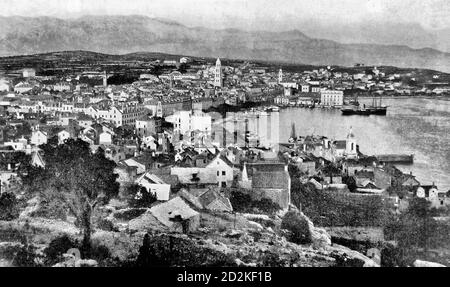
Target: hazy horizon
x: 247, y: 14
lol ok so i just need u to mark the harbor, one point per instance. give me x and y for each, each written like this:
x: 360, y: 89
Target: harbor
x: 422, y: 150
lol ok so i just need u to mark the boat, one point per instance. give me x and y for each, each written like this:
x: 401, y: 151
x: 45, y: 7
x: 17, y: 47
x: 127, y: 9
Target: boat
x: 272, y: 109
x: 354, y: 108
x: 396, y: 158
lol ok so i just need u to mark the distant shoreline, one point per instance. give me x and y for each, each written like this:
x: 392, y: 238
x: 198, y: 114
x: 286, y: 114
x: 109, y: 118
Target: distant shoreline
x: 443, y: 98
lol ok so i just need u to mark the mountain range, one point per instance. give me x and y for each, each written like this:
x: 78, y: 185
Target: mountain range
x: 128, y: 34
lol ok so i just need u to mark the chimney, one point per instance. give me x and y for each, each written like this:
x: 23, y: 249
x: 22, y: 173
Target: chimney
x: 9, y: 166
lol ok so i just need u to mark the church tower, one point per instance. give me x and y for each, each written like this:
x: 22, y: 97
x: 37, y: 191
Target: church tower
x: 218, y: 74
x: 280, y: 76
x: 105, y: 79
x: 350, y: 149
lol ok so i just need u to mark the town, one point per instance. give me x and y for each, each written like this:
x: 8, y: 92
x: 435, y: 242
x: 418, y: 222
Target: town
x: 193, y: 146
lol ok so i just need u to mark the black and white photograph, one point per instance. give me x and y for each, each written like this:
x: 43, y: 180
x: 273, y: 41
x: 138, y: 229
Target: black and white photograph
x: 225, y: 134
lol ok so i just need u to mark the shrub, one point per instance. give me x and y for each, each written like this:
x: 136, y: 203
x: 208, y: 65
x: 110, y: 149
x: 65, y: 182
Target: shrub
x: 298, y: 226
x: 9, y: 209
x: 52, y: 209
x: 100, y: 253
x: 271, y: 260
x: 266, y: 205
x: 240, y: 201
x: 106, y: 225
x: 243, y: 202
x: 57, y: 248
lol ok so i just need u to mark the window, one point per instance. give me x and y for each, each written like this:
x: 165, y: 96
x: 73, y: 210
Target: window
x: 223, y: 172
x: 217, y: 173
x: 224, y: 184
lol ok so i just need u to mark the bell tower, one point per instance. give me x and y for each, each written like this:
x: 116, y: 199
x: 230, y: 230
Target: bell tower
x: 218, y: 74
x: 350, y: 150
x: 280, y: 76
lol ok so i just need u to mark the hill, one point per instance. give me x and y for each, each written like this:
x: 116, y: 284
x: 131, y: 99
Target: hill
x: 129, y: 34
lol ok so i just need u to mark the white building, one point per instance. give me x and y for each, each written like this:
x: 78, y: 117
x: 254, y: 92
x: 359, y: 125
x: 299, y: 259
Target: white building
x: 29, y: 73
x: 145, y: 127
x: 155, y: 185
x: 219, y: 171
x: 305, y: 88
x: 332, y: 98
x: 63, y: 136
x: 188, y: 121
x: 124, y: 115
x: 4, y: 85
x: 38, y: 137
x: 105, y: 138
x: 23, y: 87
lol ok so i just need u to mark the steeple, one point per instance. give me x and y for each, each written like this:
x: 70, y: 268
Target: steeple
x: 350, y: 133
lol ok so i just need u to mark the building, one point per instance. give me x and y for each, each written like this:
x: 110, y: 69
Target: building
x: 218, y: 171
x: 63, y: 136
x: 105, y: 138
x: 148, y: 127
x: 185, y: 122
x: 176, y: 215
x: 350, y: 146
x: 29, y: 73
x: 5, y: 85
x: 155, y: 185
x: 268, y: 180
x: 38, y: 137
x: 331, y: 98
x: 23, y: 87
x: 304, y: 88
x: 280, y: 76
x: 218, y: 77
x: 119, y: 116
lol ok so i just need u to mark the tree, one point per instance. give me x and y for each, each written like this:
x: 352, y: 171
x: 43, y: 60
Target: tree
x: 8, y: 206
x: 331, y: 169
x: 139, y: 196
x: 78, y: 179
x: 240, y: 200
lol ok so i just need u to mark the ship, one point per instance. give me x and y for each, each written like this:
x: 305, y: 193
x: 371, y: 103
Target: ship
x: 355, y: 108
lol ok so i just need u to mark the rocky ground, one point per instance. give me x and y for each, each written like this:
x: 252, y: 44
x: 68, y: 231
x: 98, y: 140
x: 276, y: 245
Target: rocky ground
x: 222, y: 240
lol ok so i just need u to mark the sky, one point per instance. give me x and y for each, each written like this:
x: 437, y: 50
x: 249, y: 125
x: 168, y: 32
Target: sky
x: 245, y: 14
